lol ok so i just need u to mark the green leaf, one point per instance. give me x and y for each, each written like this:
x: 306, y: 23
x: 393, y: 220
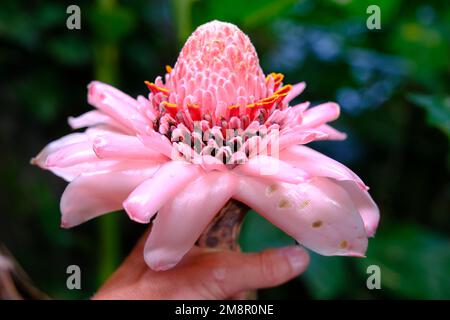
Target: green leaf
x: 258, y: 234
x: 426, y: 48
x: 244, y: 13
x: 326, y: 277
x: 70, y: 50
x: 358, y: 8
x: 437, y: 109
x: 41, y: 95
x: 18, y: 26
x: 414, y: 262
x: 112, y: 24
x: 266, y: 12
x: 49, y: 15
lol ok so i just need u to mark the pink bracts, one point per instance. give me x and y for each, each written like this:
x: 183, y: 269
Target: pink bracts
x: 214, y: 128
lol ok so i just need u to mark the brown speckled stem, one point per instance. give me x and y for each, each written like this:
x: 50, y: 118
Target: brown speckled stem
x: 223, y: 231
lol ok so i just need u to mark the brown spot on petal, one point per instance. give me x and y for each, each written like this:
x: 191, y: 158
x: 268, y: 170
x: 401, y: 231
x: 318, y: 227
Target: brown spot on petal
x: 284, y: 203
x: 304, y: 204
x: 270, y: 190
x: 343, y: 244
x: 317, y: 224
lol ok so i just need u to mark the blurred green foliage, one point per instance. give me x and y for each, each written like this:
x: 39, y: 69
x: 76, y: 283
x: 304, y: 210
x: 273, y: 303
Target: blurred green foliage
x: 437, y: 109
x: 393, y: 85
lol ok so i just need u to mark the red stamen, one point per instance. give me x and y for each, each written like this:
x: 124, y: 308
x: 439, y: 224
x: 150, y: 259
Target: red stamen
x: 277, y: 78
x: 268, y: 102
x: 233, y: 111
x: 283, y: 91
x: 251, y: 109
x: 170, y: 108
x: 194, y: 111
x: 155, y: 89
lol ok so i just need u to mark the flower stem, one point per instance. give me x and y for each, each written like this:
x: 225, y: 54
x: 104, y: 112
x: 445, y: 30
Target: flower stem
x: 109, y: 246
x: 106, y: 70
x: 182, y: 12
x: 223, y: 231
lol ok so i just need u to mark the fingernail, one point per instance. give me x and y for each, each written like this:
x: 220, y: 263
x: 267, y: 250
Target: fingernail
x: 297, y: 257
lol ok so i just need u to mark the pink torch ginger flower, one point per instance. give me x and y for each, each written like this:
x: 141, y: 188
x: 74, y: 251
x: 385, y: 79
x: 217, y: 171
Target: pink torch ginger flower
x: 213, y: 129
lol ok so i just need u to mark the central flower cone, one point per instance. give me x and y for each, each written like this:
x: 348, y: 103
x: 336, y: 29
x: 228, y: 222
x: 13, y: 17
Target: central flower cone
x: 214, y: 128
x: 218, y: 71
x: 218, y: 90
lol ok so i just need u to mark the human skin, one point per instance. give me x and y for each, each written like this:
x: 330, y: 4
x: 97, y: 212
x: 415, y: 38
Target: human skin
x: 204, y: 274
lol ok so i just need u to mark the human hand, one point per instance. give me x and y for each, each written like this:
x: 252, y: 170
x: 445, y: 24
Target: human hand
x: 204, y: 274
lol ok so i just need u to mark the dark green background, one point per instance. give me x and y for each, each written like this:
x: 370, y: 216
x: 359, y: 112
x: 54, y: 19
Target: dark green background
x: 393, y: 85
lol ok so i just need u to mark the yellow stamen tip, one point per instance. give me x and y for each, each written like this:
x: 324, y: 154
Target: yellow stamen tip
x: 169, y: 105
x: 277, y: 77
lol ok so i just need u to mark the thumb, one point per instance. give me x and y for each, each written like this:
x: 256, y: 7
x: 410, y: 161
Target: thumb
x: 269, y: 268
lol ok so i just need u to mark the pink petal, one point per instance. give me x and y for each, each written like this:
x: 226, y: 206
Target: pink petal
x: 41, y: 159
x: 299, y: 136
x: 367, y: 208
x: 93, y: 118
x: 70, y: 166
x: 320, y: 114
x: 117, y: 146
x: 317, y: 164
x: 71, y: 155
x: 332, y: 134
x: 117, y: 105
x: 157, y: 142
x: 101, y: 129
x: 66, y: 151
x: 210, y: 163
x: 288, y: 117
x: 320, y: 215
x: 272, y: 168
x: 302, y: 106
x: 142, y: 204
x: 104, y: 166
x: 91, y: 195
x: 296, y: 90
x: 180, y: 222
x: 56, y: 145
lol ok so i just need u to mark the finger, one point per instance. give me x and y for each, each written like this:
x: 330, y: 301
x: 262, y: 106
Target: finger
x: 136, y: 255
x: 243, y: 295
x: 239, y: 272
